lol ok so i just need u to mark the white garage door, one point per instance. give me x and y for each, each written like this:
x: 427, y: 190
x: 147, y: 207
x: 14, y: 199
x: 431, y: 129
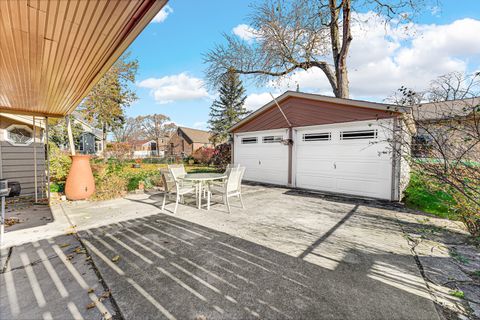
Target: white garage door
x: 265, y: 158
x: 349, y: 158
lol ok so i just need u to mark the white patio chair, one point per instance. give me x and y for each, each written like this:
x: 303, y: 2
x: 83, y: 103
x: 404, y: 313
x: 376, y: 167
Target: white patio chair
x: 174, y: 185
x: 232, y: 187
x: 180, y: 172
x: 227, y: 171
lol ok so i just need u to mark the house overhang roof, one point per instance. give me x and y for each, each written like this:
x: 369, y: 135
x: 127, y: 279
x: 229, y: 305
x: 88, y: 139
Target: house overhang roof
x: 318, y: 97
x: 53, y: 52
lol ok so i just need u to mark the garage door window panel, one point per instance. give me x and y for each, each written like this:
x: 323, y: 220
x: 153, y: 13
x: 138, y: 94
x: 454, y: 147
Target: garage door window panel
x: 272, y: 139
x: 359, y: 134
x: 322, y: 136
x: 249, y: 140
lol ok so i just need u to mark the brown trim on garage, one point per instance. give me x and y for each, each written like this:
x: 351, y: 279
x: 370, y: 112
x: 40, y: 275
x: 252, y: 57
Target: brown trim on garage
x: 302, y: 112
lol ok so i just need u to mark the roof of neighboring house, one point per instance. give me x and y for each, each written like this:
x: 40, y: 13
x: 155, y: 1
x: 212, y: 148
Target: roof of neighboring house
x: 24, y: 119
x: 141, y: 142
x: 323, y: 98
x: 78, y: 117
x: 196, y: 135
x: 444, y: 109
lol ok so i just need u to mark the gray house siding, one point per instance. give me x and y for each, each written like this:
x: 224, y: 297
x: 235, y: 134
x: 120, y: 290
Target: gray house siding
x: 17, y: 163
x: 87, y: 143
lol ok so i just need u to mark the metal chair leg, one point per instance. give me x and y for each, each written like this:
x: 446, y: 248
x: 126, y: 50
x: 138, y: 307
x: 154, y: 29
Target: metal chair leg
x: 176, y: 204
x: 164, y: 201
x: 241, y: 200
x: 208, y: 199
x: 228, y: 204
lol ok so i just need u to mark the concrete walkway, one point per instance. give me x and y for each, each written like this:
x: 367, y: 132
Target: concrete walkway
x: 288, y: 255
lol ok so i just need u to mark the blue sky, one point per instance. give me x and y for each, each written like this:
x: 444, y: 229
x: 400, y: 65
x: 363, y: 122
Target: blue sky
x: 170, y: 49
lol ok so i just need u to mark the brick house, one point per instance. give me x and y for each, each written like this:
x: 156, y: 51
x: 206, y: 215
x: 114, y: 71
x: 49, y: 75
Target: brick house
x: 434, y: 119
x: 187, y: 140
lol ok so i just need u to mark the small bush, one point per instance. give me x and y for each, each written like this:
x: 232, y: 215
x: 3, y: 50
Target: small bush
x: 222, y: 155
x: 109, y: 187
x: 59, y: 163
x: 203, y: 155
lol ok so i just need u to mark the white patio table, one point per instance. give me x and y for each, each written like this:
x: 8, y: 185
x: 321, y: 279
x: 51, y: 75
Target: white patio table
x: 200, y: 179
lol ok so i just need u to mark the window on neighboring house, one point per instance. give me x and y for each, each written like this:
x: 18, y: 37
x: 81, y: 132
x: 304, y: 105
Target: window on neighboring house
x: 81, y: 143
x: 19, y: 135
x: 249, y: 140
x: 421, y: 145
x: 359, y: 134
x: 321, y: 136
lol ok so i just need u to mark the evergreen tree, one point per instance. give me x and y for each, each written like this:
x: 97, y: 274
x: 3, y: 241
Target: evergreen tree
x: 229, y: 108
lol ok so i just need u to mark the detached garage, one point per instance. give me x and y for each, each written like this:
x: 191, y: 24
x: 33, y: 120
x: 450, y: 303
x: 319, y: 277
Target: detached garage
x: 323, y: 143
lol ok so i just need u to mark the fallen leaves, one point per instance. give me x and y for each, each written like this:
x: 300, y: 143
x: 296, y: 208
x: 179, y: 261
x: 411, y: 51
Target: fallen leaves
x: 116, y: 258
x: 80, y: 250
x: 64, y: 245
x: 90, y: 305
x: 11, y: 221
x: 91, y: 290
x: 105, y: 295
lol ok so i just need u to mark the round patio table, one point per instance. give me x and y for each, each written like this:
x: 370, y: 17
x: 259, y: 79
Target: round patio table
x: 200, y: 179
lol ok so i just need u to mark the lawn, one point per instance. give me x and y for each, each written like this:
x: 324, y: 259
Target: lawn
x: 419, y: 196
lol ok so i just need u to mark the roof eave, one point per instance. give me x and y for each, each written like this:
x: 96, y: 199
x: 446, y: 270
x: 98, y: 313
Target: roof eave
x: 351, y: 102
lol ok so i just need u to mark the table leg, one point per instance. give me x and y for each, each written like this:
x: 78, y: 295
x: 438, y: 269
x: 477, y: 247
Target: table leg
x: 200, y: 195
x: 208, y: 197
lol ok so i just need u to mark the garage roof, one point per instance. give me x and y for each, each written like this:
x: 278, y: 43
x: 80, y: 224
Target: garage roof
x: 321, y: 98
x: 53, y: 52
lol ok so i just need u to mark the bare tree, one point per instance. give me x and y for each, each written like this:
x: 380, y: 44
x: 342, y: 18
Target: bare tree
x: 445, y: 149
x: 157, y: 127
x: 129, y: 130
x: 290, y: 35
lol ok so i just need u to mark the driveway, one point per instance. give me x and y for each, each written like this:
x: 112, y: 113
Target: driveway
x: 288, y: 255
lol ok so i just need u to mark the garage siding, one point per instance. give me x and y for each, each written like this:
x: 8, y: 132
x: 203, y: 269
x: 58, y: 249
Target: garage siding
x: 305, y: 112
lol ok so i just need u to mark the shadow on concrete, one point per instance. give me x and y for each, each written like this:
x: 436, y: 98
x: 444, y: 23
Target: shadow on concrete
x: 328, y: 233
x: 28, y: 216
x: 165, y: 267
x: 52, y: 279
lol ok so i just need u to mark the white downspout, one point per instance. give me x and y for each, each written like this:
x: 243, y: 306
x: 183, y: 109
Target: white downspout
x: 35, y: 157
x: 47, y: 148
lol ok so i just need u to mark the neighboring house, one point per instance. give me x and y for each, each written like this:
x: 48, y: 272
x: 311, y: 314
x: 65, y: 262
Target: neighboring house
x: 18, y: 151
x: 436, y: 117
x: 323, y: 143
x: 145, y: 148
x: 90, y: 140
x: 185, y: 141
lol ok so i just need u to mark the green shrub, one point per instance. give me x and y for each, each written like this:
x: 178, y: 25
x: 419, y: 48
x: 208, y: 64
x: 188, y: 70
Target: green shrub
x: 108, y: 183
x: 59, y: 163
x: 57, y: 187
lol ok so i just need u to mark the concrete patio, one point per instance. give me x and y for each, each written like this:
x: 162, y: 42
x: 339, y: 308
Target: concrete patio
x: 289, y: 254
